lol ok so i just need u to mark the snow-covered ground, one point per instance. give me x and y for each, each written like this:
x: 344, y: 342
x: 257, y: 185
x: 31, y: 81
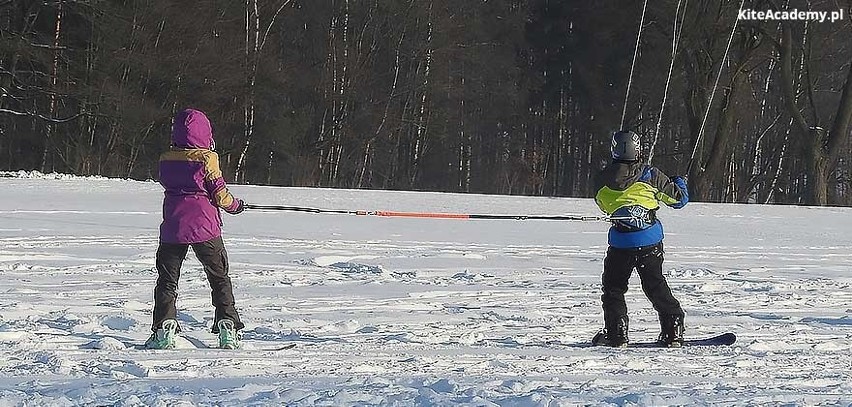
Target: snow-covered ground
x: 426, y: 312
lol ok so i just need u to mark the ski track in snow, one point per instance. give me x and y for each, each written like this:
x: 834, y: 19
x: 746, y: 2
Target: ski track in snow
x: 413, y: 311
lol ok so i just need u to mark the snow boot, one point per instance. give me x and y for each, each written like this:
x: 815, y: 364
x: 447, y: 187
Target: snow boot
x: 614, y: 334
x: 164, y: 337
x: 671, y: 331
x: 228, y: 337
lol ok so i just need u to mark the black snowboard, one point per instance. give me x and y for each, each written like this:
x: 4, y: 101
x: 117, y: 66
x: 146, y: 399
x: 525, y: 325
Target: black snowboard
x: 725, y: 339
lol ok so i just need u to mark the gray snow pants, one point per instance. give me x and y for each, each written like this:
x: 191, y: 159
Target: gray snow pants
x: 213, y: 257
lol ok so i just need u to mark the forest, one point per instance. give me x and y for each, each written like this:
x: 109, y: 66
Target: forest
x: 481, y: 96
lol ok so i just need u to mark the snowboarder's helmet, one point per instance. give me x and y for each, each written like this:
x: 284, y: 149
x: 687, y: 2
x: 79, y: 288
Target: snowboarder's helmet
x: 626, y: 146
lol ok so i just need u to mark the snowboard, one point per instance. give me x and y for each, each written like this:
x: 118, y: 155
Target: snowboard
x: 188, y: 342
x: 240, y: 349
x: 725, y: 339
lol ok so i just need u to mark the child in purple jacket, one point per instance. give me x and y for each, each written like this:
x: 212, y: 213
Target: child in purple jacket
x: 194, y: 193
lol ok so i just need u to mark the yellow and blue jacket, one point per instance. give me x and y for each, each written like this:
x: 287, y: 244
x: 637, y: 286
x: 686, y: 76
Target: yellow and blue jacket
x: 630, y: 193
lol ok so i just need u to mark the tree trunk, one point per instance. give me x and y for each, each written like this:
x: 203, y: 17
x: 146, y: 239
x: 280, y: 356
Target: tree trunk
x: 821, y: 149
x: 713, y: 173
x: 422, y: 114
x: 48, y: 135
x: 842, y: 125
x: 368, y: 149
x: 253, y: 44
x: 252, y: 51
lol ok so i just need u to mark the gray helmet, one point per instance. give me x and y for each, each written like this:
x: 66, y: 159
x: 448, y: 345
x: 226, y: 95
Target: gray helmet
x: 626, y: 146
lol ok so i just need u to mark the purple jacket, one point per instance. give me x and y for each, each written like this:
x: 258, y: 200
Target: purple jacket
x: 195, y: 189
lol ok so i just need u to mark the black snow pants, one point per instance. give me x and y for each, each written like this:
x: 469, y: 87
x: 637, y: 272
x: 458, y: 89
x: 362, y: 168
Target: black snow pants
x: 213, y: 257
x: 648, y: 261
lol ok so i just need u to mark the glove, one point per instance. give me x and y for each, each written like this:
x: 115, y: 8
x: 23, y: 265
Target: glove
x: 680, y: 181
x: 241, y: 206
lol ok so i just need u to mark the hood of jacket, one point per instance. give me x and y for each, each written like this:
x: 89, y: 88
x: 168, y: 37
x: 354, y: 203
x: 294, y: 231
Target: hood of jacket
x: 619, y: 175
x: 192, y: 129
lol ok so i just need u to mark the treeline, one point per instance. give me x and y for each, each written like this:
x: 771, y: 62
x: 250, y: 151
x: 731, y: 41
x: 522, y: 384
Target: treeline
x: 492, y: 96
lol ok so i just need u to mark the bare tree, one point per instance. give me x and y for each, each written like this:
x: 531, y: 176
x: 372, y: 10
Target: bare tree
x: 821, y: 145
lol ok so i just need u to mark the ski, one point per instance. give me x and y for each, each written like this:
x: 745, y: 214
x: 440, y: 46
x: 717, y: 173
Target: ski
x: 725, y: 339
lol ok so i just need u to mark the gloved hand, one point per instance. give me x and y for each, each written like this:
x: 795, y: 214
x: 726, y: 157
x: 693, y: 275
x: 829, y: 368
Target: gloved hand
x: 241, y: 206
x: 680, y: 181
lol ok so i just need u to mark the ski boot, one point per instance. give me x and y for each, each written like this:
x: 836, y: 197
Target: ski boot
x: 164, y: 337
x: 228, y: 337
x: 671, y: 331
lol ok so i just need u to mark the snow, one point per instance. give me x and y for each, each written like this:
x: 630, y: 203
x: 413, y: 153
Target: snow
x: 407, y: 311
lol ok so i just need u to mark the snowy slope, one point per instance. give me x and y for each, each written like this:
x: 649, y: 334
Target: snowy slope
x: 427, y: 312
